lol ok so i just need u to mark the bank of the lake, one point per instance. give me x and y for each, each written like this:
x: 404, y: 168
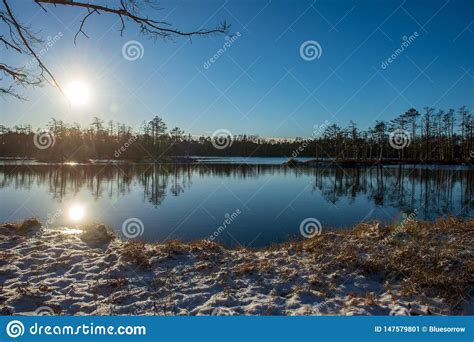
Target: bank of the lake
x: 374, y: 162
x: 410, y: 268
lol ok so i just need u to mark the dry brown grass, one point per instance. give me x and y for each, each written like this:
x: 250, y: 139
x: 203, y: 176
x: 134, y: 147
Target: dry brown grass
x: 255, y: 266
x: 434, y: 259
x: 136, y: 253
x: 248, y: 268
x: 173, y: 247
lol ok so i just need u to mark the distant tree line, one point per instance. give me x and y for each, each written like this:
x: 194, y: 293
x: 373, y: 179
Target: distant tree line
x: 429, y: 136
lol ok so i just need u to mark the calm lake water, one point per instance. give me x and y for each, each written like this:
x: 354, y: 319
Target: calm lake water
x: 262, y: 201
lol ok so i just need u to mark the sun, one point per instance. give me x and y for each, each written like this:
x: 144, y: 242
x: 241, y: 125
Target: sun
x: 77, y: 93
x: 76, y: 212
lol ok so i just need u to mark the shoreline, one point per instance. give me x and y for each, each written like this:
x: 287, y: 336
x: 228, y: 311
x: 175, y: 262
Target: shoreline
x: 371, y: 162
x: 414, y: 268
x: 291, y: 162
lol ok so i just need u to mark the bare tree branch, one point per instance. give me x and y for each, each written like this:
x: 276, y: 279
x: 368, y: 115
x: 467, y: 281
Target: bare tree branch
x: 82, y: 25
x: 20, y: 38
x: 8, y: 44
x: 11, y: 92
x: 42, y: 7
x: 147, y: 25
x: 29, y: 48
x: 16, y: 74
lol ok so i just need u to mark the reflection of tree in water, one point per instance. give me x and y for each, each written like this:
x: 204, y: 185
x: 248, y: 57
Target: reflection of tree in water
x: 154, y: 184
x: 157, y: 178
x: 432, y: 191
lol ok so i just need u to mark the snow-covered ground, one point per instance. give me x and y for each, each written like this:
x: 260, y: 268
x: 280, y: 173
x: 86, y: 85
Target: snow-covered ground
x: 366, y: 272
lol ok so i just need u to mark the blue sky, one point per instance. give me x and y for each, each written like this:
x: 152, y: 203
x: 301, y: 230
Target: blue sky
x: 260, y: 85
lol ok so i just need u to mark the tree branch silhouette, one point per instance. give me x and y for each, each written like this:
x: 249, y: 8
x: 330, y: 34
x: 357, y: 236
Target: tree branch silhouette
x: 22, y: 40
x: 127, y: 10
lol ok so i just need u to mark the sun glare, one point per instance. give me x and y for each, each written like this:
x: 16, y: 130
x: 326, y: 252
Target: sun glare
x: 78, y: 93
x: 76, y: 212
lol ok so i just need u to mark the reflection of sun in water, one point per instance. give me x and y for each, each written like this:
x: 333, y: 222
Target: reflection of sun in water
x: 76, y: 212
x: 78, y: 93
